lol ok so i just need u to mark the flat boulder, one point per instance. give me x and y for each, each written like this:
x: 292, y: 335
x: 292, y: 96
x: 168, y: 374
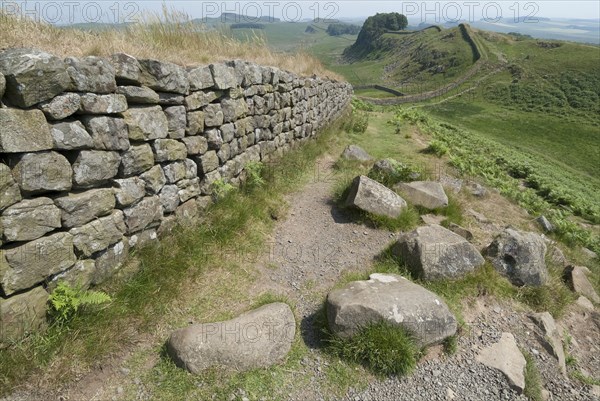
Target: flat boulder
x: 370, y: 196
x: 255, y: 339
x: 428, y: 194
x: 577, y: 278
x: 434, y: 252
x: 391, y: 298
x: 520, y: 256
x: 551, y: 338
x: 353, y: 152
x: 506, y: 357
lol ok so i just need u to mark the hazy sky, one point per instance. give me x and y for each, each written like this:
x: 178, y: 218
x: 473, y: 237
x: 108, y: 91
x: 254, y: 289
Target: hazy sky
x: 114, y: 11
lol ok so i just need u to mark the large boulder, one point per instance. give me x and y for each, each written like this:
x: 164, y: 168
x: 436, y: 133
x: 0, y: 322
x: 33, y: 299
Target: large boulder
x: 256, y: 339
x: 24, y: 266
x: 32, y: 76
x: 506, y: 357
x: 520, y: 256
x: 433, y: 252
x: 577, y: 278
x: 370, y: 196
x: 29, y: 220
x: 428, y: 194
x: 23, y: 131
x: 390, y: 298
x: 353, y: 152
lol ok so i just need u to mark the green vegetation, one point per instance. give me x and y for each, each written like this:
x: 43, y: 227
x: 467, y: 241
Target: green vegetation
x: 451, y: 345
x: 382, y: 347
x: 342, y: 29
x: 66, y: 300
x: 533, y: 381
x: 373, y: 28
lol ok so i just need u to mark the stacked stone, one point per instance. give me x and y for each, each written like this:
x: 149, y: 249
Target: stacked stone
x: 102, y: 155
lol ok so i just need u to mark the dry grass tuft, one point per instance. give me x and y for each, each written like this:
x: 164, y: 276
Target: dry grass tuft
x: 170, y: 36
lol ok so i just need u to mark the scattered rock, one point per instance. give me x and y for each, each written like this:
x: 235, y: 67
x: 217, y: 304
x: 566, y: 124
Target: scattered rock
x: 585, y: 303
x: 428, y: 194
x: 520, y: 256
x: 433, y: 253
x: 552, y: 339
x: 476, y: 189
x: 556, y: 256
x: 478, y: 216
x: 589, y: 253
x: 390, y: 298
x: 507, y: 358
x: 577, y: 278
x: 463, y: 232
x: 433, y: 219
x: 545, y: 224
x: 258, y: 338
x: 353, y: 152
x: 370, y: 196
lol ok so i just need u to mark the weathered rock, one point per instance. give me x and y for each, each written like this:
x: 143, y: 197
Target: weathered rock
x: 24, y: 266
x: 200, y: 78
x: 112, y: 103
x: 81, y: 208
x: 577, y: 278
x: 227, y: 132
x: 164, y: 76
x: 169, y: 150
x: 189, y: 189
x: 143, y: 238
x: 43, y: 172
x: 195, y: 145
x: 208, y: 162
x: 428, y: 194
x: 143, y: 213
x: 129, y: 190
x: 71, y: 136
x: 108, y: 133
x: 384, y: 168
x: 29, y: 219
x: 214, y: 139
x: 176, y: 121
x: 370, y: 196
x: 191, y: 169
x: 9, y: 189
x: 507, y: 358
x: 390, y: 298
x: 23, y: 131
x: 259, y: 338
x: 174, y: 172
x: 91, y: 74
x: 195, y: 123
x: 99, y: 233
x: 136, y: 160
x: 233, y: 109
x: 32, y: 76
x: 127, y: 69
x: 213, y: 115
x: 146, y: 123
x: 463, y: 232
x: 2, y: 86
x: 187, y: 213
x: 353, y: 152
x: 169, y: 198
x: 551, y: 339
x: 170, y: 99
x: 78, y: 276
x: 557, y: 257
x: 62, y: 106
x: 545, y: 224
x: 520, y: 256
x: 94, y: 167
x: 433, y: 252
x: 200, y: 99
x: 138, y: 94
x: 206, y: 185
x: 155, y: 179
x: 223, y: 76
x: 585, y: 303
x: 589, y: 253
x: 109, y: 261
x: 22, y: 314
x: 476, y: 189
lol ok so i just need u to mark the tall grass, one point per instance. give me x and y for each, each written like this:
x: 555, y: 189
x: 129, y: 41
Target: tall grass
x: 168, y: 36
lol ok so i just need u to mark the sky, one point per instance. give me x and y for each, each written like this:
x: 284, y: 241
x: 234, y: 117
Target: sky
x: 118, y: 11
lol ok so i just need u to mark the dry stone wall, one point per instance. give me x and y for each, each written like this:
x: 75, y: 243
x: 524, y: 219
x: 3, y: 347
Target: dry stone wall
x: 99, y: 156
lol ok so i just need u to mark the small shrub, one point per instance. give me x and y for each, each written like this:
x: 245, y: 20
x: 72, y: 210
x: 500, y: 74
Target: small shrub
x: 65, y: 301
x: 254, y: 171
x: 407, y: 220
x: 221, y: 188
x: 401, y: 172
x: 451, y: 345
x: 438, y: 148
x: 383, y: 348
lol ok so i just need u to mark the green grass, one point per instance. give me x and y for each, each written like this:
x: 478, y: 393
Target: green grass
x: 168, y: 271
x: 533, y: 381
x: 383, y: 348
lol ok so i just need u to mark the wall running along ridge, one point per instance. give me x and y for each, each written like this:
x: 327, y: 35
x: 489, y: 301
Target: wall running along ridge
x: 99, y: 156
